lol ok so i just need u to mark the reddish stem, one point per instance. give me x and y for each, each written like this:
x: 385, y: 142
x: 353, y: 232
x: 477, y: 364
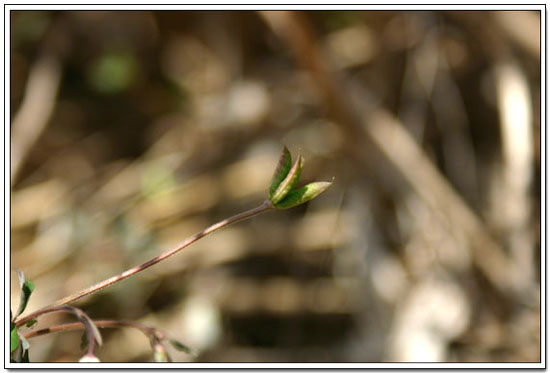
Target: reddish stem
x: 99, y: 323
x: 266, y: 205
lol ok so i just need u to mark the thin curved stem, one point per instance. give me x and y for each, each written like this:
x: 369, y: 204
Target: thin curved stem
x: 99, y: 323
x: 91, y: 331
x: 266, y: 205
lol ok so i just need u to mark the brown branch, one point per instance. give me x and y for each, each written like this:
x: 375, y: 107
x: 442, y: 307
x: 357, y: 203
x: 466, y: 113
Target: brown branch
x: 91, y: 331
x: 99, y: 323
x: 266, y: 205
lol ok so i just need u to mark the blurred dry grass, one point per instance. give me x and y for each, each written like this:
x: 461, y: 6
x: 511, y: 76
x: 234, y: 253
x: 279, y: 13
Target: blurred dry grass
x: 132, y: 130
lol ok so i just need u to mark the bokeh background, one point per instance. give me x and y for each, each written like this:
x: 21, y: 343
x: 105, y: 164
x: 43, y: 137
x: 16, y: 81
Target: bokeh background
x: 132, y: 130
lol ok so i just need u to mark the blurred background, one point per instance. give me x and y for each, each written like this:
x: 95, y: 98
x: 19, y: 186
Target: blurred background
x: 132, y: 130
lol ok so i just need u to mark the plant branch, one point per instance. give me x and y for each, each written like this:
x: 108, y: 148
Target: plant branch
x: 100, y: 324
x: 266, y: 205
x: 91, y: 331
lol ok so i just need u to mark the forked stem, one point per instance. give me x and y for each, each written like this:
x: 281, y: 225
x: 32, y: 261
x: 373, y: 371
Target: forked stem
x: 266, y: 205
x: 99, y: 323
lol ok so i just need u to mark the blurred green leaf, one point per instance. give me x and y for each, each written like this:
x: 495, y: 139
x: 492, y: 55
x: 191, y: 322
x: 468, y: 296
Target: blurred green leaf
x: 181, y: 347
x: 26, y: 289
x: 30, y: 323
x: 14, y: 338
x: 156, y: 179
x: 285, y: 161
x: 303, y: 194
x: 29, y: 26
x: 335, y: 20
x: 289, y: 182
x: 113, y: 72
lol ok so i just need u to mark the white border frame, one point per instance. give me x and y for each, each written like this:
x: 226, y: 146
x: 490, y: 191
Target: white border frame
x: 428, y: 5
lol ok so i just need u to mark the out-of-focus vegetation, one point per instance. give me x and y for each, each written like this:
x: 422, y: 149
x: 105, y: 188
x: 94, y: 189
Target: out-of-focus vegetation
x: 132, y: 130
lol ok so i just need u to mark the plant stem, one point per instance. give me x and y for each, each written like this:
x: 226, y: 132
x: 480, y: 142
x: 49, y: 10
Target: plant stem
x: 266, y: 205
x: 92, y: 333
x: 99, y: 323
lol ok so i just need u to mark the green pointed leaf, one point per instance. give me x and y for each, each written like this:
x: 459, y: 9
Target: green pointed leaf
x: 285, y: 161
x: 30, y: 323
x: 303, y: 194
x: 14, y: 339
x: 289, y: 182
x: 26, y: 289
x: 181, y: 347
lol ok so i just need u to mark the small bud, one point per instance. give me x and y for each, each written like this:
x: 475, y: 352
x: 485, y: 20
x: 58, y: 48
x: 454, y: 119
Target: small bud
x: 282, y: 194
x: 285, y: 161
x: 289, y: 182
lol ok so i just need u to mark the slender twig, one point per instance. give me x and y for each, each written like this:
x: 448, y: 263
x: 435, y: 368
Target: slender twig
x: 91, y: 332
x: 156, y: 337
x: 266, y: 205
x: 148, y: 331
